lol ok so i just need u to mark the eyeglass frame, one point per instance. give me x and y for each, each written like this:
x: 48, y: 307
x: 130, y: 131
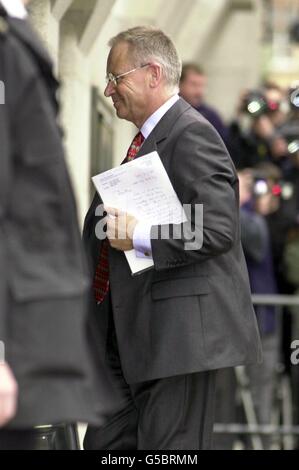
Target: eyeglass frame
x: 111, y: 78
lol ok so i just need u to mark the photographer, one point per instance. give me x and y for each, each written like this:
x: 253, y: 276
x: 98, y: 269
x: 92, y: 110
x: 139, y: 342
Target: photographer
x: 289, y: 156
x: 254, y: 136
x: 47, y: 372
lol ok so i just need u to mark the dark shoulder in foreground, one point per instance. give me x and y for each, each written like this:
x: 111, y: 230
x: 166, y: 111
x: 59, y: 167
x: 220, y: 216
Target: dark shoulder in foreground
x: 20, y: 68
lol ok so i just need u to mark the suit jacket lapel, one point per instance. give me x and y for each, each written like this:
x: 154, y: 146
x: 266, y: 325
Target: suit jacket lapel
x: 163, y: 128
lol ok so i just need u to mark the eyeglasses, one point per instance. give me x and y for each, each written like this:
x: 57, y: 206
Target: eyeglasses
x: 114, y: 78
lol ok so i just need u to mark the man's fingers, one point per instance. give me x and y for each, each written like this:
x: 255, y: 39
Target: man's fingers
x: 8, y: 394
x: 112, y: 211
x: 116, y: 212
x: 8, y: 408
x: 111, y: 231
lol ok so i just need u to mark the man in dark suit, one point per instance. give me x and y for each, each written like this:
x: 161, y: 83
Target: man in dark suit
x: 44, y: 278
x: 164, y: 333
x: 193, y: 86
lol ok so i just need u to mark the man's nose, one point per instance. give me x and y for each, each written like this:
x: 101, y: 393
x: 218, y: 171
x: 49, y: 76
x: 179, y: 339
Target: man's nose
x: 109, y: 89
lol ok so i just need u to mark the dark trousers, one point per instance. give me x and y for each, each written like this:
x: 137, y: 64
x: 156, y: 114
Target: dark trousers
x: 173, y: 413
x: 59, y: 437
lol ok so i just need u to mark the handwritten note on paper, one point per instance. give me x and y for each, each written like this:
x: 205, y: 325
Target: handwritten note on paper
x: 143, y: 189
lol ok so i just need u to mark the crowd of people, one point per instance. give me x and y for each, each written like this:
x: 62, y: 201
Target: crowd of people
x: 263, y: 141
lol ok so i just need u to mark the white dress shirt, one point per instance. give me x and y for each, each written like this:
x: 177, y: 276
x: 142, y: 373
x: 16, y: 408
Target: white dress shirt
x: 153, y: 120
x: 142, y: 232
x: 15, y: 8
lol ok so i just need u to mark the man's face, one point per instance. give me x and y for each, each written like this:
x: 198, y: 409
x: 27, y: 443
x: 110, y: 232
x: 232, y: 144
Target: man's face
x: 131, y: 95
x: 193, y: 88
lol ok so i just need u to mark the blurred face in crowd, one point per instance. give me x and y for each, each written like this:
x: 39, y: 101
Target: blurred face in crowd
x: 267, y: 204
x: 245, y: 186
x: 136, y: 95
x: 275, y: 97
x: 264, y: 204
x: 193, y: 88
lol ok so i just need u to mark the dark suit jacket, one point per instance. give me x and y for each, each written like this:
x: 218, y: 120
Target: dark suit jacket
x: 43, y: 272
x: 193, y: 311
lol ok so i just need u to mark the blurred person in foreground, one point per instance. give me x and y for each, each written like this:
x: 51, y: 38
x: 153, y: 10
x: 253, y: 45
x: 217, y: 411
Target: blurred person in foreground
x: 46, y: 376
x: 193, y: 88
x: 165, y: 332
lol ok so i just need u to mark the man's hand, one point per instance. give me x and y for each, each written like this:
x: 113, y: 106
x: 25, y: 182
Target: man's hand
x: 120, y: 229
x: 8, y: 394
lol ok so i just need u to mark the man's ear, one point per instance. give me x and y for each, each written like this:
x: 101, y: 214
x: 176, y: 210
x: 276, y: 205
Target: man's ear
x: 155, y: 75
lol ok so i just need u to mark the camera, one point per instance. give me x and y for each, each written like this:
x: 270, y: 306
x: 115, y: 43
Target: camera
x: 290, y: 132
x: 256, y: 104
x: 294, y: 96
x: 262, y: 185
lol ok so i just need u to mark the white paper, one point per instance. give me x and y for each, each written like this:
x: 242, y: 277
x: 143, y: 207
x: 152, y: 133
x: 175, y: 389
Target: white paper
x: 141, y: 188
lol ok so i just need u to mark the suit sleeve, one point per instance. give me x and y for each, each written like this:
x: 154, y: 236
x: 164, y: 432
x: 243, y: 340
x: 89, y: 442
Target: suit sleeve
x: 206, y: 182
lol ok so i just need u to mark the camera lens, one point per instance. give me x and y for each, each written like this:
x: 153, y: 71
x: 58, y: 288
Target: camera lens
x: 293, y: 147
x: 294, y: 97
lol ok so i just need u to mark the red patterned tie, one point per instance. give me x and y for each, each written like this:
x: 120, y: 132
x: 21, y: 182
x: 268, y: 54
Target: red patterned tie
x: 101, y: 280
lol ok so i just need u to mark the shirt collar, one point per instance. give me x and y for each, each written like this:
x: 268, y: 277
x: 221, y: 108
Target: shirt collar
x: 153, y: 120
x: 15, y: 8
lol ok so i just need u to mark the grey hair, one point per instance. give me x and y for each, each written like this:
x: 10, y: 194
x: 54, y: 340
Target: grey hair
x: 148, y: 44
